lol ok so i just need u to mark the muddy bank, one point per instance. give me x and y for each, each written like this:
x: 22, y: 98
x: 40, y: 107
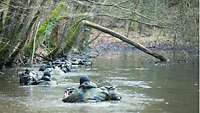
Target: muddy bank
x: 121, y: 47
x: 104, y: 43
x: 178, y: 54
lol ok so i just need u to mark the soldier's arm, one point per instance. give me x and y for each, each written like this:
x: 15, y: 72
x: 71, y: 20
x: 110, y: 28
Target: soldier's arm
x: 71, y: 97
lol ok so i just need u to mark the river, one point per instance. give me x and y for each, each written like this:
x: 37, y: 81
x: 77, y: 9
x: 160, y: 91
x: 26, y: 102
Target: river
x: 145, y: 87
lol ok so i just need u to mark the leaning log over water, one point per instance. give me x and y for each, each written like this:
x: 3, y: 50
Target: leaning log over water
x: 125, y: 39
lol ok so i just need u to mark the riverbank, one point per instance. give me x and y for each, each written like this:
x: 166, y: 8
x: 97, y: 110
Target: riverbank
x: 180, y: 51
x: 108, y: 46
x: 154, y: 42
x: 104, y: 45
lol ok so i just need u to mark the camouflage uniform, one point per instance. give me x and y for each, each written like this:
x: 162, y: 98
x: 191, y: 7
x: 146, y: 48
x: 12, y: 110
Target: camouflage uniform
x: 89, y: 92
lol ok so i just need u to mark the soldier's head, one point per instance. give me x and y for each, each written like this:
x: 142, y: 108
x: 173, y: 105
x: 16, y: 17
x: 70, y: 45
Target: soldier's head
x: 84, y: 79
x: 27, y: 71
x: 47, y: 73
x: 46, y: 76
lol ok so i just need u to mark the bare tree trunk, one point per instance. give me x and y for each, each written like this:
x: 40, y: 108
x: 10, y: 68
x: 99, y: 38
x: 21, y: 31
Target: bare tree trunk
x: 141, y: 29
x: 125, y: 39
x: 24, y: 30
x: 128, y: 23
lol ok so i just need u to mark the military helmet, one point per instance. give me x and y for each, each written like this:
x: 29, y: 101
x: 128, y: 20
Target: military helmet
x: 84, y: 79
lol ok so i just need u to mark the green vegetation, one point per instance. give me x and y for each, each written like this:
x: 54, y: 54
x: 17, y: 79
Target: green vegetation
x: 44, y: 31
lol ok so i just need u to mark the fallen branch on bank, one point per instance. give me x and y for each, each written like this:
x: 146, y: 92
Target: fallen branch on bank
x: 124, y: 39
x: 43, y: 57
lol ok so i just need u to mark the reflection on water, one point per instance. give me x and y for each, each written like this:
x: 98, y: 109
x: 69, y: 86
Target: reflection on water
x: 146, y: 87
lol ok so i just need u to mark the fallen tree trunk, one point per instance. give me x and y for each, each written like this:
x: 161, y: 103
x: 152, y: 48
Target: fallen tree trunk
x: 125, y: 39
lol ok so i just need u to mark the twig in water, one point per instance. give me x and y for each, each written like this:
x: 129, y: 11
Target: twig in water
x: 1, y: 73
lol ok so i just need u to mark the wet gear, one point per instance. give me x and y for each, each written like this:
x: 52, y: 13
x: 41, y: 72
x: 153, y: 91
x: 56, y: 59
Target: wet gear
x: 89, y: 92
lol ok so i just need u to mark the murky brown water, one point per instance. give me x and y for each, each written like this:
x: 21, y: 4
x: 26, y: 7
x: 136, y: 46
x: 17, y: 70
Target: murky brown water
x: 146, y: 87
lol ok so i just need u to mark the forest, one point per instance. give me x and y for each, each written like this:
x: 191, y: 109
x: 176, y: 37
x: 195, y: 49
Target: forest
x: 54, y: 27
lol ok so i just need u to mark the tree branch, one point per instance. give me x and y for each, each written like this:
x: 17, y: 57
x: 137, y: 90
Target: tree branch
x: 126, y: 18
x: 122, y: 8
x: 124, y: 39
